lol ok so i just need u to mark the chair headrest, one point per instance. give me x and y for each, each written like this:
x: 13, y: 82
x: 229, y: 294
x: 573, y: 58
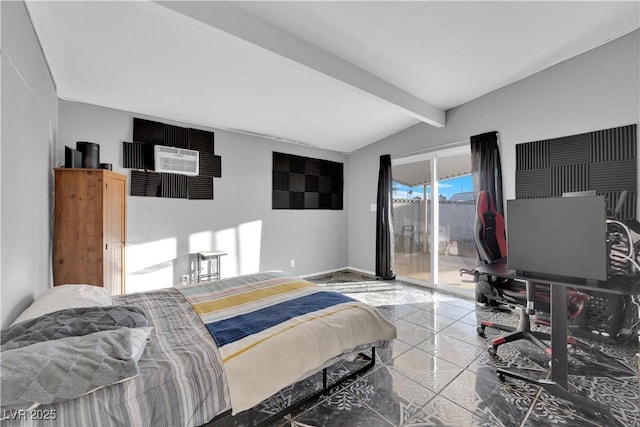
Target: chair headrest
x: 490, y: 229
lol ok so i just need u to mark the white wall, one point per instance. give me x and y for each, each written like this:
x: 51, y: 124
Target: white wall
x: 29, y: 127
x: 597, y: 90
x: 162, y: 232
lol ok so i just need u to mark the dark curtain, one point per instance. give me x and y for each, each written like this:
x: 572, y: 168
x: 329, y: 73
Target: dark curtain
x: 485, y: 167
x: 385, y: 265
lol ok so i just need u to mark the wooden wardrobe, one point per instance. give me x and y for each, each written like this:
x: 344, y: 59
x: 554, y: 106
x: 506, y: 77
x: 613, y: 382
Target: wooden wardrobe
x: 90, y: 228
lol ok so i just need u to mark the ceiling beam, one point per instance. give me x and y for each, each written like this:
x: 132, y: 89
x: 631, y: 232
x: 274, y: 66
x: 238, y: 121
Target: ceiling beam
x: 232, y: 20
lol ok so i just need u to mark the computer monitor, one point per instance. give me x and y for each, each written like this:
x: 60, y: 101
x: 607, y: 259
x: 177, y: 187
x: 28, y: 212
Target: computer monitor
x: 562, y: 238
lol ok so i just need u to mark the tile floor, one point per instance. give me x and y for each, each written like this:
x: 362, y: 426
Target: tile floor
x: 438, y: 372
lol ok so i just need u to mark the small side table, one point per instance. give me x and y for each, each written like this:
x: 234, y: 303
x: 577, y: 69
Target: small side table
x: 210, y: 262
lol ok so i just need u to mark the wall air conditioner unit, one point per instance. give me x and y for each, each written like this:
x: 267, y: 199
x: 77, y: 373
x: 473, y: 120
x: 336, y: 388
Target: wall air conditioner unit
x: 176, y: 160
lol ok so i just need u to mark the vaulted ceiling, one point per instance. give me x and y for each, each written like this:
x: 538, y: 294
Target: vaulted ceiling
x: 337, y: 75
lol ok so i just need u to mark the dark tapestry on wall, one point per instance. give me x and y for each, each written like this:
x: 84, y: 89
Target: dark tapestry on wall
x: 306, y: 183
x: 139, y: 155
x: 604, y: 161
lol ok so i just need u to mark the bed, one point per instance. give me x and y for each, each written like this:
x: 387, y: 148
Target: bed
x: 189, y: 354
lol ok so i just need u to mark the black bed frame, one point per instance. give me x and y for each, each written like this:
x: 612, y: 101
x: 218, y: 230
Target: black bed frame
x: 325, y: 390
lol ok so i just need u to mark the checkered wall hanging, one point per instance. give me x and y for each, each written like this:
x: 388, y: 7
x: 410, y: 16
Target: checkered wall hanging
x: 306, y: 183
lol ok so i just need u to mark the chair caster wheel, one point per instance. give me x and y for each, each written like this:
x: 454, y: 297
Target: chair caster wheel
x: 493, y: 350
x: 480, y: 331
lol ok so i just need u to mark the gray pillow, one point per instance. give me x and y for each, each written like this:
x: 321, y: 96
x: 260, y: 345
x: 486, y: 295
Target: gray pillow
x: 55, y: 371
x: 71, y: 322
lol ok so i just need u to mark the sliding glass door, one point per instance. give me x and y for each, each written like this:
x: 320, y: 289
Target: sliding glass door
x: 456, y: 215
x: 411, y: 219
x: 433, y: 214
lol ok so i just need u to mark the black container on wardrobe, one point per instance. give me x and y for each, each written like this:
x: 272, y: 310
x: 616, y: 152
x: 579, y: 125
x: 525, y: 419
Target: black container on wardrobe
x: 72, y: 158
x: 90, y: 154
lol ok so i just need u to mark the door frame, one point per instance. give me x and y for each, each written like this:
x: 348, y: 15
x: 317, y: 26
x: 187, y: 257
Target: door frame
x: 433, y: 155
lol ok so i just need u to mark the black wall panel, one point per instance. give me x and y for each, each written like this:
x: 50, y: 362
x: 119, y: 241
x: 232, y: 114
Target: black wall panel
x: 175, y: 136
x: 201, y: 140
x: 312, y: 167
x: 336, y: 201
x: 326, y: 184
x: 312, y: 183
x: 296, y: 200
x: 207, y: 164
x: 200, y: 188
x: 297, y: 182
x: 533, y: 183
x: 280, y: 162
x: 148, y: 131
x: 614, y: 144
x: 306, y: 183
x: 280, y: 181
x: 145, y: 184
x: 569, y: 177
x: 173, y: 186
x: 604, y: 161
x: 325, y: 200
x: 139, y: 155
x: 569, y: 150
x: 312, y: 200
x: 532, y: 156
x: 154, y: 184
x: 613, y: 176
x: 280, y: 199
x: 217, y: 166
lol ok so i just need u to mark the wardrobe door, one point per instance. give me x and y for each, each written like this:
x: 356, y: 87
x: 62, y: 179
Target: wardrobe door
x: 114, y: 202
x: 78, y: 258
x: 90, y: 228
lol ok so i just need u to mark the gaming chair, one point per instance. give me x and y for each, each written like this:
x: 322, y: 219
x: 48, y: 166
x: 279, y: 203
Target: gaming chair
x: 491, y: 244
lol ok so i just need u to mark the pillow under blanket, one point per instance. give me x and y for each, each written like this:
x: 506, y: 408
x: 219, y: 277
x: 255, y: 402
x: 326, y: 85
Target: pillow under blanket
x: 58, y: 370
x: 71, y: 322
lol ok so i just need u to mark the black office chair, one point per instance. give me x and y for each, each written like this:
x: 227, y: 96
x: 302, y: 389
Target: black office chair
x: 531, y: 299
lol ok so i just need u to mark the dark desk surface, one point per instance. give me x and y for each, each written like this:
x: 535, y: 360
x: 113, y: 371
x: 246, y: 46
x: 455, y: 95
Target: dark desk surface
x: 498, y: 269
x: 621, y: 285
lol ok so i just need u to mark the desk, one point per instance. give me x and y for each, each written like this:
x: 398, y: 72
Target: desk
x: 498, y: 269
x: 558, y: 384
x: 618, y: 286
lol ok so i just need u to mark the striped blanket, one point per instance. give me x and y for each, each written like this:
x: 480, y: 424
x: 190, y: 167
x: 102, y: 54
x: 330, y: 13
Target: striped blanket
x: 272, y: 330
